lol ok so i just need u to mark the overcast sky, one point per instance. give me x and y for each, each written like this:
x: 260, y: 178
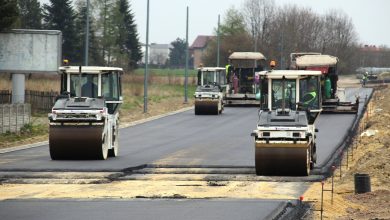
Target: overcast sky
x: 167, y: 17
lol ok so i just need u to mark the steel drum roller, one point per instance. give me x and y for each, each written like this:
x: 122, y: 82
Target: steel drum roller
x: 206, y: 107
x: 76, y: 142
x: 277, y: 160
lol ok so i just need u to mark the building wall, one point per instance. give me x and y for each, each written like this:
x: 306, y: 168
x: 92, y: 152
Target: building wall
x: 197, y: 55
x: 159, y: 53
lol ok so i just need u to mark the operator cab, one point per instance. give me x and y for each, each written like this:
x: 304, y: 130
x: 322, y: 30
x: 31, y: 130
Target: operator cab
x: 211, y: 75
x: 83, y: 82
x: 291, y: 90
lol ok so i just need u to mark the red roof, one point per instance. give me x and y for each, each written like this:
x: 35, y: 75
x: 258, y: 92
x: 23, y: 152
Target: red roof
x: 371, y: 48
x: 201, y: 41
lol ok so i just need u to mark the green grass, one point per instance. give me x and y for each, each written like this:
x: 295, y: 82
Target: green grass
x: 166, y: 72
x: 156, y: 94
x: 27, y: 131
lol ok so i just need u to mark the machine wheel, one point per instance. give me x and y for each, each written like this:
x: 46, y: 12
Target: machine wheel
x: 102, y: 152
x: 113, y: 152
x: 308, y: 163
x: 220, y: 111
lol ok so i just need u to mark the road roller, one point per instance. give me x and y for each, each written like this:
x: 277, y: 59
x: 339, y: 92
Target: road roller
x: 209, y: 95
x: 84, y: 121
x: 285, y: 136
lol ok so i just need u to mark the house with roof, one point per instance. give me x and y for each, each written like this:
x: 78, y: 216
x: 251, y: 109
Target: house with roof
x: 198, y: 48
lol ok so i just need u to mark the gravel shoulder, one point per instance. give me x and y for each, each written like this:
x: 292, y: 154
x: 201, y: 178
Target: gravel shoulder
x: 371, y: 156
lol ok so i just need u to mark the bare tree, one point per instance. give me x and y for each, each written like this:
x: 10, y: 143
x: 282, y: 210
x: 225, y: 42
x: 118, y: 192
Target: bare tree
x: 339, y: 38
x: 234, y: 37
x: 258, y: 18
x: 279, y: 31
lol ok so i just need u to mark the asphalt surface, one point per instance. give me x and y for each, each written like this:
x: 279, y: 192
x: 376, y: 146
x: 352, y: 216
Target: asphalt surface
x: 140, y: 209
x: 184, y: 140
x: 177, y: 140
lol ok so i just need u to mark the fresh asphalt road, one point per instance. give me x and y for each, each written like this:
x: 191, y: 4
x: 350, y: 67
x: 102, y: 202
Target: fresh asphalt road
x: 183, y: 140
x: 178, y: 140
x: 138, y: 209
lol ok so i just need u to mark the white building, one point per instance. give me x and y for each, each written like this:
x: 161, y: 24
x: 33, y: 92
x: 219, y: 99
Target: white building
x: 158, y: 53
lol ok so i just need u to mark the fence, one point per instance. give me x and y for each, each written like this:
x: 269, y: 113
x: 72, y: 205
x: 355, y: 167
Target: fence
x: 14, y: 116
x: 5, y: 96
x: 39, y: 101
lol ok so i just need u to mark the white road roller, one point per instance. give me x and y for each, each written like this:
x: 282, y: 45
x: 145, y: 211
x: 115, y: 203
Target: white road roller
x: 285, y: 140
x: 84, y: 121
x: 209, y: 95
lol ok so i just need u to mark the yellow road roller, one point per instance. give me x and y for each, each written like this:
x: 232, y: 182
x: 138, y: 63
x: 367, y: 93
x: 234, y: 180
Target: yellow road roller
x: 84, y: 121
x: 209, y: 95
x: 285, y: 140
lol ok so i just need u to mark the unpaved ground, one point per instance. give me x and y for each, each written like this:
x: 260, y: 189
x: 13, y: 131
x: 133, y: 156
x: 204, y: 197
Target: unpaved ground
x: 153, y: 189
x: 372, y: 156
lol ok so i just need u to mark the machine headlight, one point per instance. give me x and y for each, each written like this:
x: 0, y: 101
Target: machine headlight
x: 266, y: 134
x: 99, y: 116
x: 52, y: 115
x: 300, y: 134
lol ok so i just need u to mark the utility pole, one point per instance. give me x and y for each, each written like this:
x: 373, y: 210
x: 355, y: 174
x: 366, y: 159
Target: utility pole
x: 255, y: 36
x: 146, y: 60
x: 87, y: 36
x: 281, y: 50
x: 218, y: 41
x: 186, y: 70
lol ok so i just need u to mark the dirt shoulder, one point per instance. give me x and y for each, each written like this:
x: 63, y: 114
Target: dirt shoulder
x: 371, y: 156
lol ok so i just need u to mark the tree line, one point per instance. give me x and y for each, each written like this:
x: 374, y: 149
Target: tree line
x: 113, y: 36
x: 277, y: 31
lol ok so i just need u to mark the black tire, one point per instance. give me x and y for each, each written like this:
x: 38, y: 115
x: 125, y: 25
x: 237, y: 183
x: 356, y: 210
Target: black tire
x: 113, y: 152
x: 102, y: 151
x: 307, y: 167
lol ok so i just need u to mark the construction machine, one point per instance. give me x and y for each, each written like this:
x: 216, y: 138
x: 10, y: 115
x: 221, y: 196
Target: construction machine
x: 84, y: 121
x: 209, y: 95
x: 285, y: 140
x: 334, y: 97
x: 242, y: 83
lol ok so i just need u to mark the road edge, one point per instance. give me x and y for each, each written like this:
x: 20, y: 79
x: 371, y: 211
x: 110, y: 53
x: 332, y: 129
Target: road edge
x: 124, y: 125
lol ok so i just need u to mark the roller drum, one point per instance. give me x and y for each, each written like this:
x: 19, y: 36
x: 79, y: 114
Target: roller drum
x: 77, y: 142
x: 282, y: 161
x: 206, y: 107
